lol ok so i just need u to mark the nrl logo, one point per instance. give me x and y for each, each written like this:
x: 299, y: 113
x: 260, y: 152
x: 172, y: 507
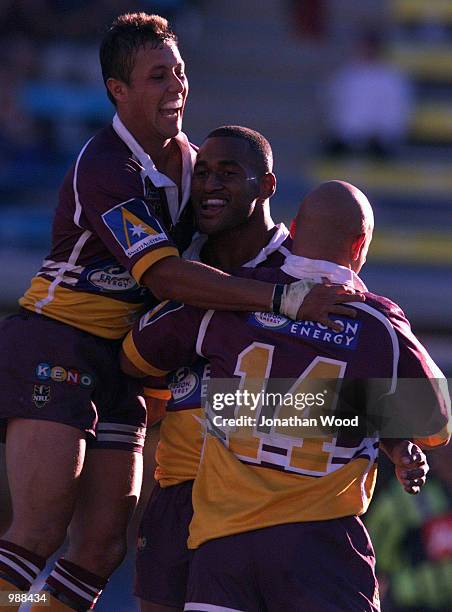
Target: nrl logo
x: 41, y: 395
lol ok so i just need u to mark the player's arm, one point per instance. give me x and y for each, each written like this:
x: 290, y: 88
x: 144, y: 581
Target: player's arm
x: 419, y: 407
x: 128, y: 366
x: 156, y: 396
x: 200, y: 285
x: 164, y: 339
x: 138, y: 240
x: 156, y: 393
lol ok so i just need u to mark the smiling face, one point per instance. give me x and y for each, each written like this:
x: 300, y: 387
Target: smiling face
x: 225, y: 184
x: 154, y: 100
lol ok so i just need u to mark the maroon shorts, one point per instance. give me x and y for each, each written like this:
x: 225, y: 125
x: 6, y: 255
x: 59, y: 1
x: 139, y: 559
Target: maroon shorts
x: 321, y: 566
x: 162, y: 561
x: 54, y: 372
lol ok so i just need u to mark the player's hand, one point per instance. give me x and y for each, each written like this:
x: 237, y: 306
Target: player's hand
x: 411, y: 466
x: 314, y: 302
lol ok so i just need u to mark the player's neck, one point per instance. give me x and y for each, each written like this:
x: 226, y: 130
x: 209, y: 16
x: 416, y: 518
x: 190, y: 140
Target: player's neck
x: 167, y: 158
x: 164, y: 153
x: 235, y: 247
x: 169, y: 162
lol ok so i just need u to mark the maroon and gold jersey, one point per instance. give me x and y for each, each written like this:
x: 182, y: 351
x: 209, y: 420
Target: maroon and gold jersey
x: 117, y: 215
x: 258, y: 470
x: 182, y: 429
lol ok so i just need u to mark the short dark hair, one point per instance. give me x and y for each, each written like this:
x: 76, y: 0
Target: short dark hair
x: 124, y: 38
x: 258, y: 144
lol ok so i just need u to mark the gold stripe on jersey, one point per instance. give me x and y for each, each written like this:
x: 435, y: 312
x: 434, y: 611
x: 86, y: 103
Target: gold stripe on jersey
x: 152, y: 312
x: 161, y: 394
x: 270, y: 497
x: 439, y: 439
x: 137, y: 360
x: 93, y: 313
x: 179, y: 448
x: 150, y: 259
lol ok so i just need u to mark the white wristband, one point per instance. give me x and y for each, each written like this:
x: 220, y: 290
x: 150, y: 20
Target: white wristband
x: 293, y: 296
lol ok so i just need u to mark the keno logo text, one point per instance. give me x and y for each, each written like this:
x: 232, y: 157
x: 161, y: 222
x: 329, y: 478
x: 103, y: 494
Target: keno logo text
x: 44, y: 371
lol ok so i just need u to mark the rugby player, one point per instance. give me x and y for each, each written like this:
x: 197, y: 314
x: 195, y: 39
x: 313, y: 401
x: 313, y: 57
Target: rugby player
x: 275, y: 521
x: 75, y: 424
x: 240, y: 233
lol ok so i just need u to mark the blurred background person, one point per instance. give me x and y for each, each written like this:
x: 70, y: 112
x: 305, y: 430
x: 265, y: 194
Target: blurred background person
x: 369, y: 102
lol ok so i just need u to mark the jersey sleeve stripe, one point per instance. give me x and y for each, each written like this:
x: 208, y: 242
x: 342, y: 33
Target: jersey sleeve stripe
x: 161, y: 394
x: 202, y: 331
x: 205, y: 607
x: 134, y: 356
x: 64, y: 267
x: 284, y: 251
x: 150, y: 259
x: 78, y: 205
x: 439, y: 439
x: 153, y: 312
x: 392, y: 334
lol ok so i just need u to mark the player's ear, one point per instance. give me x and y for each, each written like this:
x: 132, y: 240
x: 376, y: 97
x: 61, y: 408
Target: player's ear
x: 357, y: 246
x: 267, y: 186
x: 118, y: 89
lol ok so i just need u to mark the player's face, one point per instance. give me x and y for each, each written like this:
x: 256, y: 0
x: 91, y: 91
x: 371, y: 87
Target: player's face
x: 158, y: 90
x: 224, y: 186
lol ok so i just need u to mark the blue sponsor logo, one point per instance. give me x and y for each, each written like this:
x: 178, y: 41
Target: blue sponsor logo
x: 270, y: 320
x: 347, y: 338
x: 184, y: 383
x: 134, y: 226
x: 112, y: 278
x: 188, y: 383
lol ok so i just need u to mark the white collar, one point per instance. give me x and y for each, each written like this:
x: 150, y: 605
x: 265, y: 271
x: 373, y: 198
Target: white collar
x: 273, y: 245
x: 303, y: 267
x: 158, y: 179
x: 193, y: 252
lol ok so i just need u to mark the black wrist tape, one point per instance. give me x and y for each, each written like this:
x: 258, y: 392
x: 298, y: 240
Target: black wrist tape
x: 277, y: 296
